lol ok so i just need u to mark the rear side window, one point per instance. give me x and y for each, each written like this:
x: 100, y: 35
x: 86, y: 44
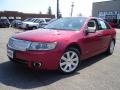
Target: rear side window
x: 103, y: 25
x: 108, y: 27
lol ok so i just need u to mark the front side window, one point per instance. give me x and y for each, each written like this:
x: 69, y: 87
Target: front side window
x: 33, y: 20
x: 73, y: 23
x: 37, y: 21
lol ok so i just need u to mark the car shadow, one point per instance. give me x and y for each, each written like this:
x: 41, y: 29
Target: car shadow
x: 92, y: 60
x: 20, y: 77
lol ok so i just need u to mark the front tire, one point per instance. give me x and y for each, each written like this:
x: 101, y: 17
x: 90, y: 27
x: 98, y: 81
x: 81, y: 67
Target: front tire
x: 69, y: 61
x: 33, y: 28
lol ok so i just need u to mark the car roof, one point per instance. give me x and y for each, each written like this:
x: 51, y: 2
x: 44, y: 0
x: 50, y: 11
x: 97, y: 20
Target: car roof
x: 84, y: 17
x: 95, y: 18
x: 41, y: 18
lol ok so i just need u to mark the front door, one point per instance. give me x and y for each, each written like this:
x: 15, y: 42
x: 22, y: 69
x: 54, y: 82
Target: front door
x: 92, y: 42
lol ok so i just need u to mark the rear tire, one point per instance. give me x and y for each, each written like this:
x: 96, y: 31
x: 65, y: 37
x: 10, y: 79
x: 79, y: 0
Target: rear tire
x: 69, y: 61
x: 111, y: 48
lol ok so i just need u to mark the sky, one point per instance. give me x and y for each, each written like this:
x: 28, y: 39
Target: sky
x: 35, y: 6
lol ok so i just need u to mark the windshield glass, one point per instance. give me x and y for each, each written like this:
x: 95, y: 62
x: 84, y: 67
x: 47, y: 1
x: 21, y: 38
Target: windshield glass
x: 28, y: 19
x: 72, y: 23
x: 4, y: 20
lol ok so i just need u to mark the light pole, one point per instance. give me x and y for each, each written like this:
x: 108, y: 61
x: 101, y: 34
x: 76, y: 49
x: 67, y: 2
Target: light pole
x: 72, y: 6
x: 57, y: 8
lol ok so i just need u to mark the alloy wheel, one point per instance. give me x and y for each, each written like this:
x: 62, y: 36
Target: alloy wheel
x: 69, y: 61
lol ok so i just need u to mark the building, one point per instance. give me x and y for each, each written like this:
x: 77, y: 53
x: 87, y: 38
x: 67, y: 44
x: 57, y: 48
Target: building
x: 11, y: 15
x: 108, y: 10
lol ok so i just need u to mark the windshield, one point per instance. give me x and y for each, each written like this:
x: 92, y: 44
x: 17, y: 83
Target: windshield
x: 72, y: 23
x: 4, y: 20
x: 28, y: 19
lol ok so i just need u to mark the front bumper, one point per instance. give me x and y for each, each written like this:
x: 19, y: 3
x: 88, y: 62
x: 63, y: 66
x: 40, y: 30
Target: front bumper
x: 49, y: 59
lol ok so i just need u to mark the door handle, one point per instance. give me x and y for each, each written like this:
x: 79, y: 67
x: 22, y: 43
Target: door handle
x: 99, y: 35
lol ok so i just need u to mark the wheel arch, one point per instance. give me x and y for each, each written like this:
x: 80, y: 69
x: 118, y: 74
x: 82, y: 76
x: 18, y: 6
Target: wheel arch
x: 74, y: 45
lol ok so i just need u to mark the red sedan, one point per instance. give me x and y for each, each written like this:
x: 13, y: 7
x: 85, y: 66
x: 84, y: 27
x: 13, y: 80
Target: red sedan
x: 62, y: 44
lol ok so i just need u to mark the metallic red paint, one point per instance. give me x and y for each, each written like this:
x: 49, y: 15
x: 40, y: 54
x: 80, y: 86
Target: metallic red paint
x: 90, y: 45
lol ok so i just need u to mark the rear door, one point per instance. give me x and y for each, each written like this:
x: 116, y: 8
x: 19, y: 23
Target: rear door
x: 104, y: 31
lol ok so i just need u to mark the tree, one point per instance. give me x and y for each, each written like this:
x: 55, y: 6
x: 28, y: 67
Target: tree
x: 49, y: 10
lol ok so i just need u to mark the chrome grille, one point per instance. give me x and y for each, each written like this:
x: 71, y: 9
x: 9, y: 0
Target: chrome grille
x: 17, y: 44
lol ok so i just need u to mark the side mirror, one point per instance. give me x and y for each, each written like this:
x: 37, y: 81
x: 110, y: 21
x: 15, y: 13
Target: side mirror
x: 90, y: 30
x: 91, y: 27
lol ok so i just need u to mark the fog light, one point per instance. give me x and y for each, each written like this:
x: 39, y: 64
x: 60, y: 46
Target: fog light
x: 36, y: 65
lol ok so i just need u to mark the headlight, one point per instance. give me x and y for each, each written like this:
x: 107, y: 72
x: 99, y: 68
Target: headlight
x: 42, y: 46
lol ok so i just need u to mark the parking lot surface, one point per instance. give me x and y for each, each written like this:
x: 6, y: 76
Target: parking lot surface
x: 98, y: 73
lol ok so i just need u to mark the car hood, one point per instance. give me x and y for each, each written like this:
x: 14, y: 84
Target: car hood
x: 29, y: 23
x: 44, y: 35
